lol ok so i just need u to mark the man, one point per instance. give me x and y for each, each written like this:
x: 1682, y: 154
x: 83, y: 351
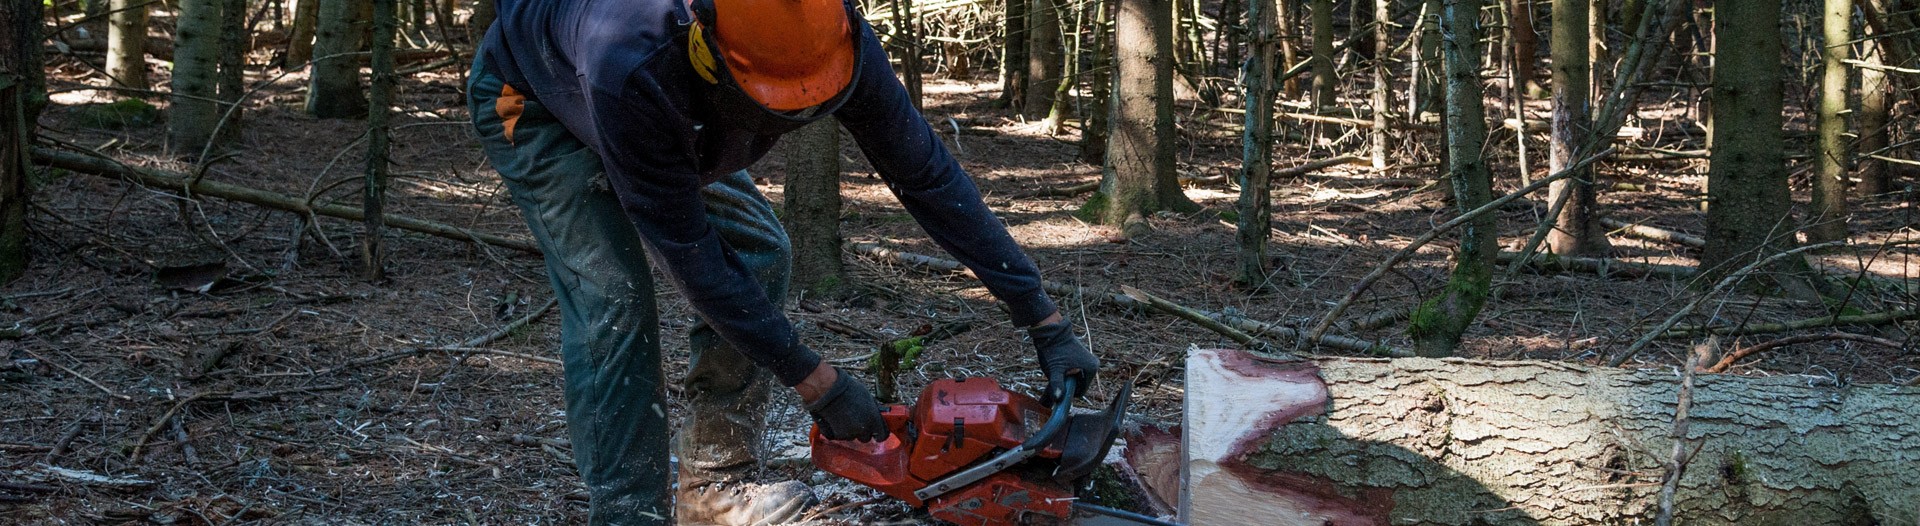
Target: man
x: 622, y: 128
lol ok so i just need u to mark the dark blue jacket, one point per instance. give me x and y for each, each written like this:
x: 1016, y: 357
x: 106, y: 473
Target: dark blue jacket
x: 617, y: 75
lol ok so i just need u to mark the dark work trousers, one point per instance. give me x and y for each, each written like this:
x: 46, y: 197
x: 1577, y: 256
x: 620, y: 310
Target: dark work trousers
x: 609, y: 325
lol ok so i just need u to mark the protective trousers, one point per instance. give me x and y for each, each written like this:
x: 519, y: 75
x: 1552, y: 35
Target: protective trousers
x: 609, y: 325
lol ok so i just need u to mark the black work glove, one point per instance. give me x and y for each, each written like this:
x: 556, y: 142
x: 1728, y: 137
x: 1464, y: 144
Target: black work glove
x: 1062, y: 355
x: 847, y: 411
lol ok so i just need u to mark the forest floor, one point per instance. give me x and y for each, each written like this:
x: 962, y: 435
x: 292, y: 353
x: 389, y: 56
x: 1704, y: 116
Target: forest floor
x: 241, y: 401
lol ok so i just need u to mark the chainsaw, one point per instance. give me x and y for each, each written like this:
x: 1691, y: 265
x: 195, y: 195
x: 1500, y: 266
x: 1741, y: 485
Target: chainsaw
x: 976, y: 454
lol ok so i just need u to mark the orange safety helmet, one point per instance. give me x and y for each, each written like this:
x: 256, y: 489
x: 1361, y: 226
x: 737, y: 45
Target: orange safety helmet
x: 786, y: 55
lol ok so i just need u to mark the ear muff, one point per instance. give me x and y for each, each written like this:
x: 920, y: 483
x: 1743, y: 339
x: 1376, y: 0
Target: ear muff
x: 700, y: 53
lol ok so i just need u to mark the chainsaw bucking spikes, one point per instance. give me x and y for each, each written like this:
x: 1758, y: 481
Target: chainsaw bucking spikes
x: 958, y: 451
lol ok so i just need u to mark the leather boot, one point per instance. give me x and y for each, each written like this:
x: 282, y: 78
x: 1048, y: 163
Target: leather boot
x: 739, y: 503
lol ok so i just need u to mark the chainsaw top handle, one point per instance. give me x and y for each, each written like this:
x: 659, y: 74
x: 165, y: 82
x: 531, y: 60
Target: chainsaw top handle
x: 1054, y: 423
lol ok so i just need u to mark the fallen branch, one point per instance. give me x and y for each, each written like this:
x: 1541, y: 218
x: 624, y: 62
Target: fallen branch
x: 1877, y: 318
x: 1605, y: 267
x: 1314, y: 166
x: 220, y: 396
x: 1326, y: 322
x: 180, y: 183
x: 1197, y: 317
x: 1797, y: 339
x: 1059, y: 191
x: 1654, y: 233
x: 89, y: 478
x: 1091, y: 295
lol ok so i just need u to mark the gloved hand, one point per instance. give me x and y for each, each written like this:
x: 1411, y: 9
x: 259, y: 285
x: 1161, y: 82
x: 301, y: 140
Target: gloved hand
x: 847, y: 411
x: 1062, y: 355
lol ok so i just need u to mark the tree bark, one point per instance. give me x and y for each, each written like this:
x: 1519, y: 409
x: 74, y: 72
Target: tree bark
x: 1324, y: 82
x: 479, y: 21
x: 1382, y: 83
x: 373, y: 201
x: 193, y: 114
x: 1013, y: 58
x: 300, y: 34
x: 127, y: 44
x: 1140, y: 178
x: 1288, y: 14
x: 812, y: 155
x: 1831, y: 149
x: 1747, y: 171
x: 1044, y: 57
x: 908, y: 46
x: 1095, y: 133
x: 334, y: 90
x: 1354, y: 441
x: 21, y: 99
x: 1256, y: 148
x: 1576, y: 231
x: 1428, y: 95
x: 1437, y: 325
x: 1874, y: 106
x: 235, y: 40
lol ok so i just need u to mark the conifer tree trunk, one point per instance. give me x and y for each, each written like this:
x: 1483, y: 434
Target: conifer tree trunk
x: 21, y: 99
x: 479, y: 21
x: 1140, y: 179
x: 1428, y: 96
x: 234, y: 41
x: 1013, y: 58
x: 1526, y: 47
x: 1323, y: 80
x: 1381, y: 83
x: 374, y: 195
x: 1874, y: 88
x: 334, y: 89
x: 1576, y: 232
x: 300, y: 35
x: 1256, y: 147
x: 812, y: 155
x: 193, y: 114
x: 1094, y: 134
x: 1747, y: 217
x: 1831, y: 152
x: 127, y: 44
x: 1597, y: 40
x: 1287, y: 13
x: 1059, y: 107
x: 1044, y: 57
x: 1436, y: 326
x: 909, y: 40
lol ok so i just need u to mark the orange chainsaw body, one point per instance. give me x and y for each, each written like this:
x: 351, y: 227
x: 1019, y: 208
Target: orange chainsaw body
x: 955, y: 424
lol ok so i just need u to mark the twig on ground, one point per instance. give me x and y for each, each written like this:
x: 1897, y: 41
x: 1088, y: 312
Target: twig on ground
x: 843, y: 507
x: 469, y: 347
x: 1677, y: 464
x: 1320, y: 329
x: 218, y: 396
x: 1740, y: 354
x: 1728, y: 281
x: 1198, y: 318
x: 76, y: 374
x: 1877, y: 318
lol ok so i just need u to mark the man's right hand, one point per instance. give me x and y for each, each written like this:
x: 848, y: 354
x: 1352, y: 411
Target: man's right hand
x: 844, y: 409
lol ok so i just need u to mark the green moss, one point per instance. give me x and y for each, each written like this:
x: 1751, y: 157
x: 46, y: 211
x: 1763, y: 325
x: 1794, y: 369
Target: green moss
x: 1106, y: 489
x: 120, y: 114
x: 1230, y: 216
x: 1096, y: 206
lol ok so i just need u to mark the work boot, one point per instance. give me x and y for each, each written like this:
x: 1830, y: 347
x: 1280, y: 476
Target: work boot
x: 742, y: 503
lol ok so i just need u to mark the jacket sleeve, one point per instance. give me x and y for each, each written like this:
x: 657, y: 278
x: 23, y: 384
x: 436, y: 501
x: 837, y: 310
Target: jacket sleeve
x: 649, y: 163
x: 934, y: 189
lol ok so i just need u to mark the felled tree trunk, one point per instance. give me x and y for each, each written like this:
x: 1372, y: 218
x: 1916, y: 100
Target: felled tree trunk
x: 1346, y: 441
